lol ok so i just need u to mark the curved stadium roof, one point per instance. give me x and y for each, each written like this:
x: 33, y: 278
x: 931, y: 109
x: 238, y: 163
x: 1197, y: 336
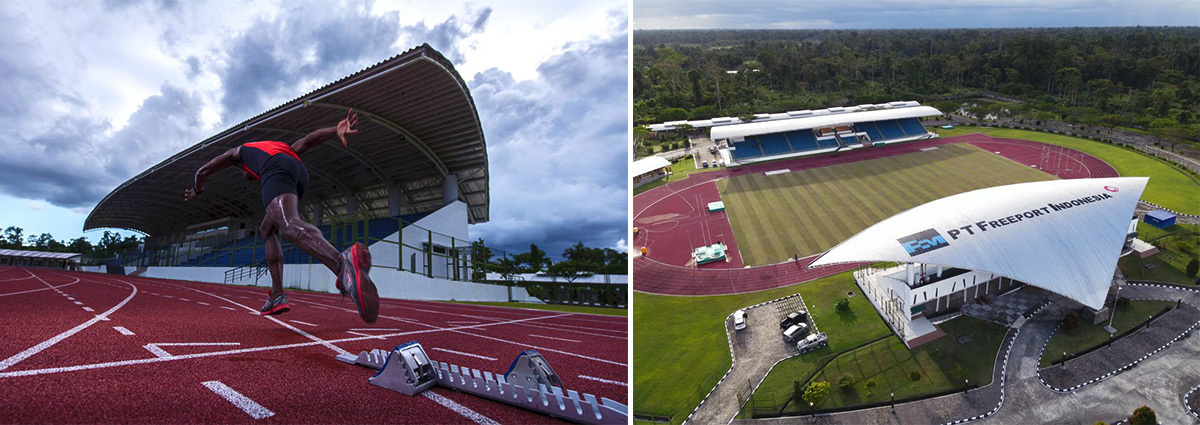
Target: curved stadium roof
x: 417, y: 124
x: 1064, y: 236
x: 738, y: 131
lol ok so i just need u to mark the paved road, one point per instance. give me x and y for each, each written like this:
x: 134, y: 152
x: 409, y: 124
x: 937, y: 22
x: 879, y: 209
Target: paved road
x: 1160, y: 382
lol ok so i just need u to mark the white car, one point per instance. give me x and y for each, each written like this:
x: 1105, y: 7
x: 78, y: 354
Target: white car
x: 739, y: 320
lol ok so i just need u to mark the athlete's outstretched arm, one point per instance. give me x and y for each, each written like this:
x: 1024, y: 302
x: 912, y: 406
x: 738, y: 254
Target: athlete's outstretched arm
x: 346, y: 127
x: 219, y: 163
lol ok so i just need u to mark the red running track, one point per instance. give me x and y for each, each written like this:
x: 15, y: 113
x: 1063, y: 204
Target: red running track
x: 672, y: 218
x: 93, y: 348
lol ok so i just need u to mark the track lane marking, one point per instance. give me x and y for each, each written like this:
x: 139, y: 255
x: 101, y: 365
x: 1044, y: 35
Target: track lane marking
x: 464, y: 354
x: 302, y: 323
x: 156, y: 348
x: 606, y: 381
x: 29, y: 352
x: 89, y: 309
x: 550, y: 337
x: 255, y: 410
x: 366, y: 335
x: 460, y: 409
x: 123, y: 330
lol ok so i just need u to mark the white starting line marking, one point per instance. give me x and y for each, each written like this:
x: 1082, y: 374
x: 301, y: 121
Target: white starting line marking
x: 89, y: 310
x: 550, y: 337
x: 155, y: 348
x: 459, y: 409
x: 374, y: 329
x: 247, y: 405
x: 229, y: 308
x: 69, y: 297
x: 78, y: 303
x: 463, y: 321
x: 606, y: 381
x: 366, y: 335
x: 463, y: 354
x: 184, y: 299
x: 302, y: 323
x: 202, y: 303
x: 123, y: 331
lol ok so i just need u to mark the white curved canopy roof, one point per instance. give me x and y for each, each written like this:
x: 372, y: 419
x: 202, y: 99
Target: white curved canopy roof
x: 835, y: 118
x: 1061, y: 235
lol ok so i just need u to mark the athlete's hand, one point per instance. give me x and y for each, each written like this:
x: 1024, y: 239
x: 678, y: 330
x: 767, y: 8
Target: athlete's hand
x: 348, y: 126
x: 190, y: 194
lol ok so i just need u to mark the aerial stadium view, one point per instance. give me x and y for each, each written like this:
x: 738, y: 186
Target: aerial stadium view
x: 372, y: 214
x: 917, y: 226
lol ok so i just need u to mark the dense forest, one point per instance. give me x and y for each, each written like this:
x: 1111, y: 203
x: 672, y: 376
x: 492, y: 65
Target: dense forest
x: 1144, y: 78
x: 109, y: 244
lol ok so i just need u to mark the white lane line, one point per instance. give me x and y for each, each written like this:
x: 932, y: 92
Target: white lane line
x: 460, y: 409
x: 69, y: 297
x: 463, y: 354
x: 247, y: 405
x: 528, y: 346
x: 202, y: 303
x: 78, y: 303
x: 374, y: 329
x: 606, y: 381
x: 366, y: 335
x: 229, y: 308
x: 302, y: 323
x: 89, y: 309
x: 9, y: 362
x: 550, y: 337
x: 156, y: 348
x: 123, y: 331
x: 185, y: 299
x: 434, y: 329
x: 463, y: 321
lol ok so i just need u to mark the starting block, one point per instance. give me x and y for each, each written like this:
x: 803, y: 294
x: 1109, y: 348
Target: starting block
x: 529, y: 383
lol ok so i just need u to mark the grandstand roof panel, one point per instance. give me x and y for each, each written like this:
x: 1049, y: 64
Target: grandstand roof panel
x: 418, y: 124
x: 38, y: 254
x: 1064, y: 236
x: 802, y: 123
x: 646, y: 165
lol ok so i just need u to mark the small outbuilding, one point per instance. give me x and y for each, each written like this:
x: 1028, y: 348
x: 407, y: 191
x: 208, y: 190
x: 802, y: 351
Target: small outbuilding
x: 1160, y: 219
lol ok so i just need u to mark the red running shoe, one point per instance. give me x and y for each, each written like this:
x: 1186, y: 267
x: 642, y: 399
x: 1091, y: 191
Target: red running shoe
x: 277, y: 305
x: 355, y: 281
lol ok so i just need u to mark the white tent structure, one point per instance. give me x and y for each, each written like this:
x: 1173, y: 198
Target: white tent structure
x: 1064, y: 236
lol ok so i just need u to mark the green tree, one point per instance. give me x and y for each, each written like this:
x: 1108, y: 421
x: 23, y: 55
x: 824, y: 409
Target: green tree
x: 1143, y: 416
x: 1071, y: 321
x: 1193, y: 267
x: 13, y: 236
x: 870, y: 385
x: 572, y: 269
x: 816, y: 392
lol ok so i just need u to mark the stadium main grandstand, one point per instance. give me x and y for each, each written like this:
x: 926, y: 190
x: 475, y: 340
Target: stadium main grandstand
x: 412, y: 180
x: 809, y: 132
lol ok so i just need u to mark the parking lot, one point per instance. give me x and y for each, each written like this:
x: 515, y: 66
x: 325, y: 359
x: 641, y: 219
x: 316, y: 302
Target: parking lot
x: 701, y: 153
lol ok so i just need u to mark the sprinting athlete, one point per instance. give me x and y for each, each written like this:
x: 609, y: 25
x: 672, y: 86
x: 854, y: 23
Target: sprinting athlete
x: 283, y: 177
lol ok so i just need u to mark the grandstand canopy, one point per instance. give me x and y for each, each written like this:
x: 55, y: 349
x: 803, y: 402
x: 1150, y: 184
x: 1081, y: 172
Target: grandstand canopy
x: 646, y: 165
x: 737, y: 132
x: 418, y: 124
x: 39, y: 254
x: 1064, y: 236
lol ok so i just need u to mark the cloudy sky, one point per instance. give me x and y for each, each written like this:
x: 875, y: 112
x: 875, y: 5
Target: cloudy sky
x: 873, y: 14
x: 94, y: 92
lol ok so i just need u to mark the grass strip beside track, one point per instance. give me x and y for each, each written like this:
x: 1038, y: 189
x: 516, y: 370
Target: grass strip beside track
x: 1168, y: 186
x: 1087, y: 335
x: 555, y: 307
x: 682, y: 349
x: 1177, y: 246
x: 809, y: 211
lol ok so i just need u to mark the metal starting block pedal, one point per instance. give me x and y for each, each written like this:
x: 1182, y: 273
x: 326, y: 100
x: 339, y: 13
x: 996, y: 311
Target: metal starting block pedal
x: 530, y: 383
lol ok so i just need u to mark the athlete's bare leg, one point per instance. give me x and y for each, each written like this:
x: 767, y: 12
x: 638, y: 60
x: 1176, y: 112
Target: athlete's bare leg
x: 274, y: 258
x: 283, y: 217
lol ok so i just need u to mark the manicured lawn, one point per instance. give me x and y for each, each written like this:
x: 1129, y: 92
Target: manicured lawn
x: 1088, y: 335
x: 557, y: 307
x: 830, y: 204
x: 680, y: 170
x: 1168, y: 186
x: 682, y: 350
x: 942, y: 365
x: 1170, y: 263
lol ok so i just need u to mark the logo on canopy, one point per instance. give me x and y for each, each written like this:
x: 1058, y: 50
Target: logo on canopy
x: 922, y: 242
x: 1112, y: 189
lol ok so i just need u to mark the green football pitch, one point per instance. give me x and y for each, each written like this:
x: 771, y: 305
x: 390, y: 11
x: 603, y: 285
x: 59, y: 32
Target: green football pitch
x: 809, y: 211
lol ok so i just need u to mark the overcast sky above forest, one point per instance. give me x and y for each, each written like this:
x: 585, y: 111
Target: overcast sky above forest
x: 95, y: 92
x: 877, y: 14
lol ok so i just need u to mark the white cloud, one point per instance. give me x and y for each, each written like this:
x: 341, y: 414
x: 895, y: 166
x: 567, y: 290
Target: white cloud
x: 89, y: 100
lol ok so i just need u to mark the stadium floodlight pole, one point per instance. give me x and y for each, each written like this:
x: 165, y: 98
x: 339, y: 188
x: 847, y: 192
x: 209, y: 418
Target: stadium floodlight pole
x: 1113, y: 313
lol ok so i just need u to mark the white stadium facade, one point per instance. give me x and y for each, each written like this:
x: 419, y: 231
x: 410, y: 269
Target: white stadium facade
x: 1064, y: 236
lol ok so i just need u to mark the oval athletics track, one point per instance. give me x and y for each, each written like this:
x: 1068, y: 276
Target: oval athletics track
x: 672, y: 217
x: 95, y: 348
